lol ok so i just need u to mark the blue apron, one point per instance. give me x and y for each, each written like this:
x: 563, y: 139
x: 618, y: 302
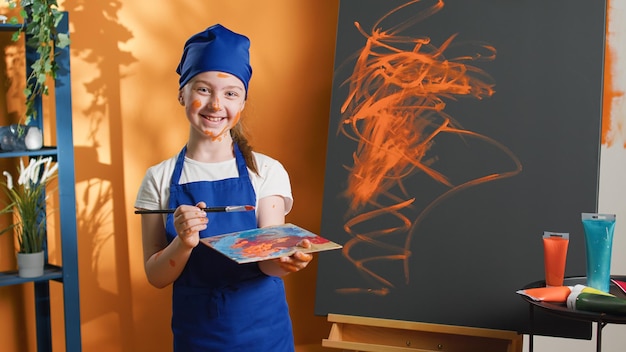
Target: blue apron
x: 219, y: 305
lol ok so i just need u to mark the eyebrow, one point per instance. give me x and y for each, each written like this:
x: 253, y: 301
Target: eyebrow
x: 227, y: 87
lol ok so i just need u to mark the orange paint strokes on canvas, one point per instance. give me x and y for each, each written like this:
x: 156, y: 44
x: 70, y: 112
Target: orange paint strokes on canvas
x: 394, y: 111
x: 395, y: 105
x: 612, y: 129
x: 607, y: 101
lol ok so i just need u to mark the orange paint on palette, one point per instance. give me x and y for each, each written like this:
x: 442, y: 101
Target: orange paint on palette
x: 240, y: 244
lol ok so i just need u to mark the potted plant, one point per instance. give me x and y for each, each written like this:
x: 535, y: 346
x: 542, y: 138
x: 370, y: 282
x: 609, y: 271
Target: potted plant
x: 27, y: 202
x: 41, y: 18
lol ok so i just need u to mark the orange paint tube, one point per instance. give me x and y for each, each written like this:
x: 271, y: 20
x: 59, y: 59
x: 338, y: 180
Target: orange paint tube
x: 556, y: 294
x: 554, y: 256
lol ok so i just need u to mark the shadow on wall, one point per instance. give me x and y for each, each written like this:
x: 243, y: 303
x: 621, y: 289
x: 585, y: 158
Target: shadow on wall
x: 97, y: 35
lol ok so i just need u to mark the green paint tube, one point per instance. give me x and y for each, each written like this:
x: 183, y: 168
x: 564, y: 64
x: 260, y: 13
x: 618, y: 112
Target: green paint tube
x: 596, y: 302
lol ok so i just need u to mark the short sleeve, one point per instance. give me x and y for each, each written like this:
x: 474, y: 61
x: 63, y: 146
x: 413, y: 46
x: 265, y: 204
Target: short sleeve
x: 273, y: 180
x: 154, y: 190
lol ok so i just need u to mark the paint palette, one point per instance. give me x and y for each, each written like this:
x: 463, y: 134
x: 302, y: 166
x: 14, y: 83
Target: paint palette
x: 267, y: 243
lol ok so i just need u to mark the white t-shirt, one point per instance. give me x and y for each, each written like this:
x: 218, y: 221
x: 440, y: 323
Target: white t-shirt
x: 154, y: 191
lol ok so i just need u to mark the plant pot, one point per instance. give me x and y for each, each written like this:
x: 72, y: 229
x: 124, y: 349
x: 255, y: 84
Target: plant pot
x: 30, y: 264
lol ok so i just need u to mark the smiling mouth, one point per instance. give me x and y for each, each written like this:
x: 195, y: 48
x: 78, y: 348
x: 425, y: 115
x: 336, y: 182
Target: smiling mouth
x: 214, y: 119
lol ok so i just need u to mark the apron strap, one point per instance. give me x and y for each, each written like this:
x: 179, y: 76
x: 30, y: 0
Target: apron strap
x: 178, y: 168
x: 242, y: 168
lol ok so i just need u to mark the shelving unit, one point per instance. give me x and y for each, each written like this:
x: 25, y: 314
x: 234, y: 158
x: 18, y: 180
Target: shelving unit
x: 63, y: 152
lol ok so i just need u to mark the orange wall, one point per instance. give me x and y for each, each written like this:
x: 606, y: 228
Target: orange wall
x: 126, y: 118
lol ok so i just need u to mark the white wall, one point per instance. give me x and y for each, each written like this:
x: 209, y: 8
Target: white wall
x: 612, y: 180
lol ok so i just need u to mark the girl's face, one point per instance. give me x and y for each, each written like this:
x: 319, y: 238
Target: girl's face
x: 213, y: 103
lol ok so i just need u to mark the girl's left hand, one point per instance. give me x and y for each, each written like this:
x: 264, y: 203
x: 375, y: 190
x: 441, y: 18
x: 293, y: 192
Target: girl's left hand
x: 298, y: 260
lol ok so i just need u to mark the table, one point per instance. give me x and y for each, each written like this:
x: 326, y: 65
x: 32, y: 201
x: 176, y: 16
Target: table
x: 601, y: 319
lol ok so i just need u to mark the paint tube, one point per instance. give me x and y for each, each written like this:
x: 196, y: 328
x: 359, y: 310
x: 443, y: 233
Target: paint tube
x: 557, y: 294
x: 554, y: 294
x: 554, y: 256
x: 599, y: 230
x: 593, y: 300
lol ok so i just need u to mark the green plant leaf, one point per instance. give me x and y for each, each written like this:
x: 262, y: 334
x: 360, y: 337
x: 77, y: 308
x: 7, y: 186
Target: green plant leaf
x: 40, y: 27
x: 63, y: 40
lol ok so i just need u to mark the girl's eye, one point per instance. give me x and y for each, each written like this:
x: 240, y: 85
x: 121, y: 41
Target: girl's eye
x: 232, y: 94
x: 203, y: 90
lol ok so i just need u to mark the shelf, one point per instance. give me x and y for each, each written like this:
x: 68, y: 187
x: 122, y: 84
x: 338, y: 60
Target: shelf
x: 51, y: 272
x: 39, y: 152
x: 6, y: 27
x: 67, y: 272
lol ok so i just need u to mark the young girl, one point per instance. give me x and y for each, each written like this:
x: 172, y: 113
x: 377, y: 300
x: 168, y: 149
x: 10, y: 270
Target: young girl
x: 218, y: 305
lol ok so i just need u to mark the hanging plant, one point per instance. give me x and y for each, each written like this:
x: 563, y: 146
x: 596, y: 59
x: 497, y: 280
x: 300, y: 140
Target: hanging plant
x: 41, y: 18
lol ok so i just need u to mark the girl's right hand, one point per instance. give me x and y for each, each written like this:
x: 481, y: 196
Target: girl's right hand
x: 189, y: 221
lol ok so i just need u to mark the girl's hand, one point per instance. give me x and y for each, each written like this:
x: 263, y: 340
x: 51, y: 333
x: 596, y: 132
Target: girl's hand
x: 285, y: 265
x: 189, y: 221
x: 298, y: 260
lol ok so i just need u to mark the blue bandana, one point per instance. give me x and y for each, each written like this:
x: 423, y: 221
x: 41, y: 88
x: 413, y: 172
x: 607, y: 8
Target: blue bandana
x: 216, y: 49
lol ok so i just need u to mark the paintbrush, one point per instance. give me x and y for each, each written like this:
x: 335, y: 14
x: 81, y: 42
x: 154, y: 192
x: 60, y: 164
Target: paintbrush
x: 227, y: 209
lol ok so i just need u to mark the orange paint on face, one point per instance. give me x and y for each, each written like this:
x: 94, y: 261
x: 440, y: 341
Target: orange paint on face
x: 222, y: 75
x: 394, y: 111
x: 236, y: 119
x: 214, y: 138
x: 220, y: 135
x: 196, y: 104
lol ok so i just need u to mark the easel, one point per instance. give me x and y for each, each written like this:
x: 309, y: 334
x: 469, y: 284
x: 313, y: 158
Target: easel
x: 354, y: 333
